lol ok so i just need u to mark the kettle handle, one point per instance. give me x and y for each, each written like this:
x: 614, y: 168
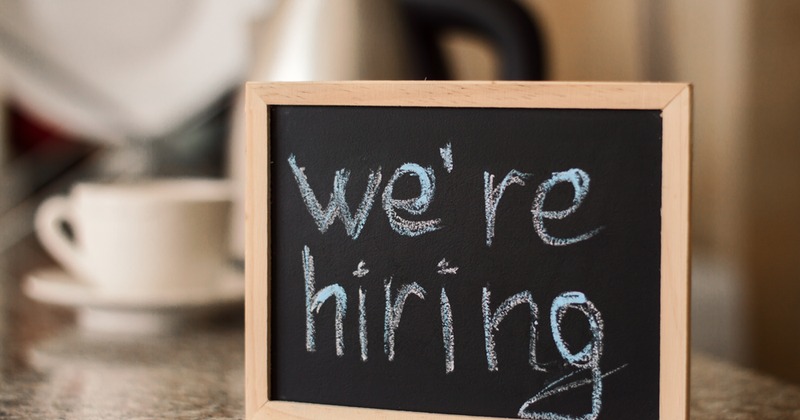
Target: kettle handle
x: 510, y: 28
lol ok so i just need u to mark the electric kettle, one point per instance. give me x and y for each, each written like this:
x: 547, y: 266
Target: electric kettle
x: 393, y: 39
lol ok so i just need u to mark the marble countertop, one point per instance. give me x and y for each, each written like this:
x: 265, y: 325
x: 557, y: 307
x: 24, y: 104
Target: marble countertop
x: 51, y: 369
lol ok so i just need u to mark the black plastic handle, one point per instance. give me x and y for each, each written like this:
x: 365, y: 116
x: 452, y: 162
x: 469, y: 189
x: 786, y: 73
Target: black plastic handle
x: 508, y: 26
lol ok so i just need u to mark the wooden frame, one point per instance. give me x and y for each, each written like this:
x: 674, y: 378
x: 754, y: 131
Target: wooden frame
x: 672, y: 99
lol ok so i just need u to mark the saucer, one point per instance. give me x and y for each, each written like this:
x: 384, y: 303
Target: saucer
x: 126, y: 311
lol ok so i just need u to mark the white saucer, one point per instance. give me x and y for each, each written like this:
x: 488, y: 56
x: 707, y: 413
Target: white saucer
x: 127, y: 311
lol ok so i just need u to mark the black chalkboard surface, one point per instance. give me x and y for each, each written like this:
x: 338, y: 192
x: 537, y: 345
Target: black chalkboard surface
x: 498, y: 261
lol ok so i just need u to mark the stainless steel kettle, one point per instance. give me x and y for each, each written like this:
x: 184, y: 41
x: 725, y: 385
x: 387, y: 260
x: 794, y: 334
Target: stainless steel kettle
x: 393, y: 39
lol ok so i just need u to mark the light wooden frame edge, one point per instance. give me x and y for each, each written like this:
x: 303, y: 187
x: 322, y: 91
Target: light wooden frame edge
x: 673, y: 99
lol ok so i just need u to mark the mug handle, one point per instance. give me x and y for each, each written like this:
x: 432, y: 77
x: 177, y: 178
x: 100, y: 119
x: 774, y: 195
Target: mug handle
x: 49, y: 216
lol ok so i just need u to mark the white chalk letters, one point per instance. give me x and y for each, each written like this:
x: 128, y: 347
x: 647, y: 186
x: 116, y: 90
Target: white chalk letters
x: 354, y: 222
x: 396, y: 299
x: 407, y: 217
x: 415, y: 206
x: 337, y: 206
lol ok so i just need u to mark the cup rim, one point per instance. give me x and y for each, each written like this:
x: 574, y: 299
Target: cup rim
x: 159, y: 189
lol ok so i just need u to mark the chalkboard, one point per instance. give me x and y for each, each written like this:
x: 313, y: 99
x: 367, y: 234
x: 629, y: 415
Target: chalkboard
x: 503, y: 259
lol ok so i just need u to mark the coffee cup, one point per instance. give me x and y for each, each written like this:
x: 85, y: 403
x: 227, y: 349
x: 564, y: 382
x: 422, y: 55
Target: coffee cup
x: 144, y: 237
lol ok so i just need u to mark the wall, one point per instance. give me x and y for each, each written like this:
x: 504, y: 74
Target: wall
x: 706, y: 43
x: 772, y: 228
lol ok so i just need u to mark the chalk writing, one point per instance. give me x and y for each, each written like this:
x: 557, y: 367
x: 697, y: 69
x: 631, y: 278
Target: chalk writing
x: 314, y: 302
x: 448, y: 339
x: 354, y: 223
x: 491, y: 323
x: 551, y: 390
x: 447, y: 156
x: 414, y: 206
x: 362, y: 323
x: 580, y: 182
x: 394, y: 310
x: 492, y: 196
x: 587, y: 358
x: 444, y: 267
x: 583, y: 363
x: 337, y: 206
x: 447, y: 333
x: 361, y: 271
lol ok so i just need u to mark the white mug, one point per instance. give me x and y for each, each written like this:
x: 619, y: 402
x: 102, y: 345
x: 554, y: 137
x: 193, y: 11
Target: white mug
x: 143, y: 237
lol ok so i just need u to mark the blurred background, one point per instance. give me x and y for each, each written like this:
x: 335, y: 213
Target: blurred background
x: 94, y: 89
